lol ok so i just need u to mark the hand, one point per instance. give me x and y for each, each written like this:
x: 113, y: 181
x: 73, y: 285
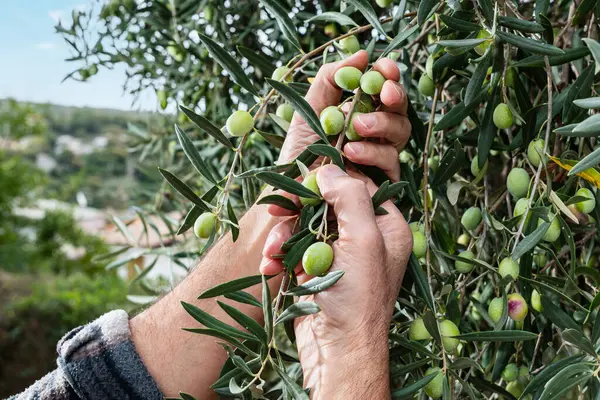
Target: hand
x: 344, y: 348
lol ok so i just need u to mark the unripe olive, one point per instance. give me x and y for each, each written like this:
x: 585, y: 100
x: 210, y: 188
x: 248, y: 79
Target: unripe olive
x: 462, y: 266
x: 523, y: 372
x: 548, y: 355
x: 481, y: 48
x: 517, y: 307
x: 520, y: 207
x: 495, y: 309
x: 539, y: 259
x: 419, y: 244
x: 204, y: 225
x: 350, y: 44
x: 310, y: 182
x: 433, y: 163
x: 372, y: 82
x: 351, y: 133
x: 429, y: 66
x: 417, y: 227
x: 535, y: 152
x: 93, y: 69
x: 240, y: 123
x: 317, y: 259
x: 280, y: 72
x: 348, y: 78
x: 586, y: 206
x: 208, y: 13
x: 448, y: 329
x: 463, y: 239
x: 553, y: 232
x: 405, y: 157
x: 536, y: 301
x: 285, y: 112
x: 417, y: 330
x: 475, y: 166
x: 435, y: 388
x: 510, y: 373
x: 508, y: 266
x: 515, y: 388
x: 331, y: 30
x: 503, y: 117
x: 383, y: 3
x: 471, y: 218
x: 426, y: 85
x: 509, y: 78
x: 365, y: 104
x: 332, y: 120
x: 517, y: 182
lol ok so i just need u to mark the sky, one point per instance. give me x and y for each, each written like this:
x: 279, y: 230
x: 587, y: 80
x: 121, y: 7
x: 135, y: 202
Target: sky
x: 32, y: 62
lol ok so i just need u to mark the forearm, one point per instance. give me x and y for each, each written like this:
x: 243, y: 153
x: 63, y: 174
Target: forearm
x: 179, y: 360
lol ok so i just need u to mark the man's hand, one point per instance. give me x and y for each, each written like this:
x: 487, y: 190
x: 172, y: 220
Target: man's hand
x: 344, y: 348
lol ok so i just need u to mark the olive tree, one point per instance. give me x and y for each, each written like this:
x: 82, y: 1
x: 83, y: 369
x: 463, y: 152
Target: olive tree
x: 498, y: 182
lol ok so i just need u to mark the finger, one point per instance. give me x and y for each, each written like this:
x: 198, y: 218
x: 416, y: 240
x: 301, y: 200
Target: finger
x: 393, y: 97
x: 386, y: 125
x: 351, y: 204
x: 383, y: 156
x: 388, y: 69
x: 323, y: 91
x: 278, y: 235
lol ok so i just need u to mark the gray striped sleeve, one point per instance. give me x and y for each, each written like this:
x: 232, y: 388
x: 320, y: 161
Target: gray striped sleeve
x: 97, y: 361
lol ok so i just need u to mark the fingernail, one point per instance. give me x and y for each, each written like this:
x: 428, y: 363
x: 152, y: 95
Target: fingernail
x: 356, y: 148
x: 367, y: 120
x: 331, y: 171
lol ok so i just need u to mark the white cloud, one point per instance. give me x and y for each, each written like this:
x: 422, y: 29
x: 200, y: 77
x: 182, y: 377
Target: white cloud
x: 45, y: 46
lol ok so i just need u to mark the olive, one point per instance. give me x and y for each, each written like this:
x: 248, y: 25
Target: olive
x: 520, y: 207
x: 435, y: 388
x: 317, y: 259
x: 507, y: 267
x: 553, y: 232
x: 448, y: 329
x: 417, y: 330
x: 462, y: 266
x: 495, y: 309
x: 310, y: 182
x: 285, y: 112
x: 475, y: 166
x: 350, y: 44
x: 481, y: 48
x: 348, y: 78
x: 372, y: 82
x: 240, y: 123
x: 280, y: 72
x: 502, y: 116
x: 205, y: 224
x: 517, y: 307
x: 586, y: 206
x: 536, y: 301
x: 471, y: 218
x: 517, y: 182
x: 419, y: 244
x: 535, y: 152
x: 426, y: 85
x: 332, y: 120
x: 510, y: 372
x: 351, y: 133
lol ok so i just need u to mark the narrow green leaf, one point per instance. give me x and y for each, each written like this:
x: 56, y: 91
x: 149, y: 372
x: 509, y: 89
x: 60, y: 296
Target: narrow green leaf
x: 476, y: 82
x: 300, y: 106
x: 459, y: 24
x: 581, y: 87
x: 221, y: 335
x: 578, y: 339
x: 412, y: 345
x: 589, y: 125
x: 497, y: 336
x: 466, y: 43
x: 294, y: 255
x: 122, y: 228
x: 452, y: 161
x: 564, y: 380
x: 520, y: 24
x: 421, y: 283
x: 243, y: 297
x: 258, y: 59
x: 485, y: 386
x: 270, y: 168
x: 328, y: 151
x: 284, y: 22
x: 463, y: 363
x: 229, y: 64
x: 365, y: 8
x: 487, y: 6
x: 192, y: 154
x: 410, y: 389
x: 589, y: 103
x: 212, y: 323
x: 426, y: 9
x: 558, y: 316
x: 582, y: 11
x: 184, y: 189
x: 280, y: 201
x: 282, y: 123
x: 267, y: 306
x: 530, y: 241
x: 296, y: 310
x: 459, y: 112
x: 333, y: 16
x: 247, y: 322
x: 531, y: 45
x: 288, y: 184
x: 272, y: 138
x: 232, y: 286
x: 576, y: 53
x: 589, y: 161
x: 235, y: 227
x: 398, y: 40
x: 594, y: 48
x: 316, y: 284
x: 296, y: 392
x: 548, y: 372
x: 487, y: 129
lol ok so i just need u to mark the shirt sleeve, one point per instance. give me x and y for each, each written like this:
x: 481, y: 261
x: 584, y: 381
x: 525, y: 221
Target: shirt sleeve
x: 96, y: 361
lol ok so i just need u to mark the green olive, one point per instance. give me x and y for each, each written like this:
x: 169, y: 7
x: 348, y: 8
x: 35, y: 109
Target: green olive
x: 285, y: 112
x: 426, y: 85
x: 517, y: 182
x: 535, y: 152
x: 475, y: 170
x: 176, y: 53
x: 515, y: 388
x: 463, y: 239
x: 429, y: 66
x: 162, y: 98
x: 586, y: 206
x: 462, y: 266
x: 417, y: 227
x: 350, y: 44
x: 553, y: 232
x: 351, y: 133
x: 536, y: 301
x: 310, y: 182
x: 280, y: 72
x: 383, y: 3
x: 365, y: 104
x: 331, y: 30
x: 495, y: 309
x: 433, y: 163
x: 471, y: 218
x: 548, y: 355
x: 348, y: 78
x: 503, y: 117
x: 507, y: 267
x: 447, y: 330
x: 517, y: 307
x: 520, y: 207
x: 240, y: 123
x: 332, y: 120
x: 435, y: 388
x: 481, y: 48
x: 417, y: 330
x: 523, y: 371
x: 405, y: 157
x: 419, y: 244
x: 317, y: 259
x: 510, y: 373
x: 204, y: 225
x: 372, y: 82
x: 539, y: 259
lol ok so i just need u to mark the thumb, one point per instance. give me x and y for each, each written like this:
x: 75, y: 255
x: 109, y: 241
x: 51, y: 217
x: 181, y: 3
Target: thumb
x: 351, y: 203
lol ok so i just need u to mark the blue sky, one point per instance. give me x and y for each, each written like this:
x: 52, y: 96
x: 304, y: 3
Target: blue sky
x: 32, y: 62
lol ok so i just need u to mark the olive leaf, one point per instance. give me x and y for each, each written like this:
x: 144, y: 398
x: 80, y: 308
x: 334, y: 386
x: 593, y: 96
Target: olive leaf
x: 365, y: 8
x: 531, y: 45
x: 184, y: 189
x: 258, y: 59
x: 520, y: 24
x: 316, y: 284
x: 410, y: 389
x: 212, y: 323
x: 192, y: 154
x: 333, y: 16
x: 398, y: 40
x: 280, y: 201
x: 300, y: 309
x: 284, y: 183
x: 283, y: 21
x: 497, y: 336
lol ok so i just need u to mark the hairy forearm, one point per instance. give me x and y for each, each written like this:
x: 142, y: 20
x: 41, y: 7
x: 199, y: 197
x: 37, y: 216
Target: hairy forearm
x: 179, y: 360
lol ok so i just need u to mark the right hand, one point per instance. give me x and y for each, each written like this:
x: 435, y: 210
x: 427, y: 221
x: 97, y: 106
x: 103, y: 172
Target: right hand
x: 346, y: 343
